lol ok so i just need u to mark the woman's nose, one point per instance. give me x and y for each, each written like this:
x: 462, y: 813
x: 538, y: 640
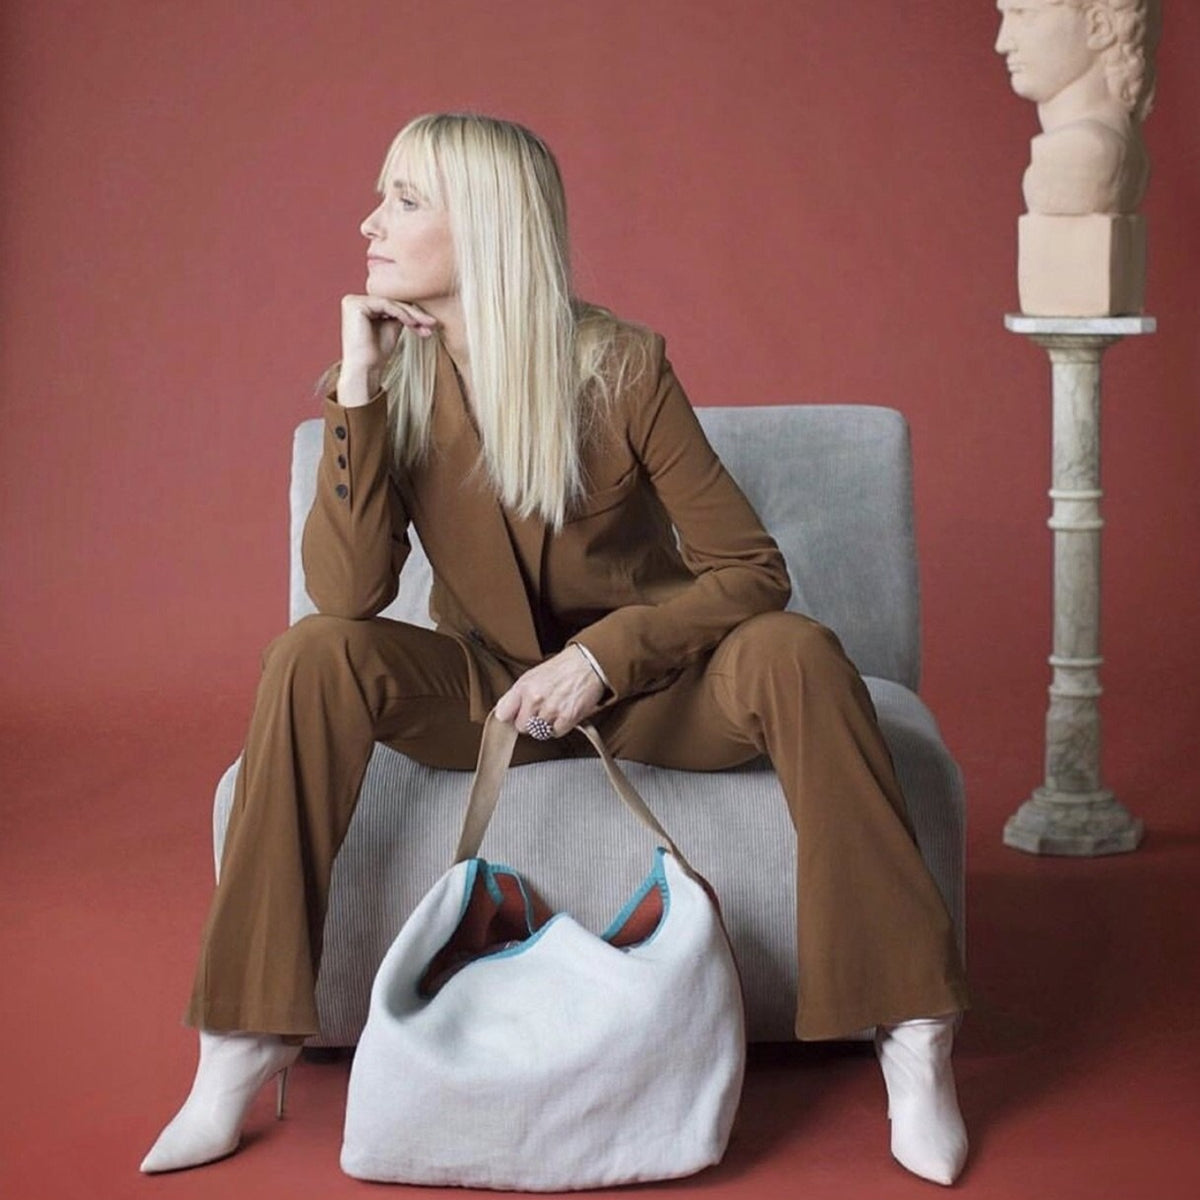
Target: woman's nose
x: 370, y: 226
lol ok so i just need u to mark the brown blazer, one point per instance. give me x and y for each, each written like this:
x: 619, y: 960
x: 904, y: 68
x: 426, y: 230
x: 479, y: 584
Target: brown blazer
x: 509, y: 590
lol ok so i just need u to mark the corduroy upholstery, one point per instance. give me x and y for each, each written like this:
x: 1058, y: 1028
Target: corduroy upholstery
x: 833, y: 485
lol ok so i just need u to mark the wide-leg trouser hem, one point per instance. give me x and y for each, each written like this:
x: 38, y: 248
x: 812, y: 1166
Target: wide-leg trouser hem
x: 231, y: 1017
x: 825, y: 1027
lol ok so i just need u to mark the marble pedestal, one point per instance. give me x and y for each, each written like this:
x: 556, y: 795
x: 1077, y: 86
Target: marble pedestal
x: 1072, y: 812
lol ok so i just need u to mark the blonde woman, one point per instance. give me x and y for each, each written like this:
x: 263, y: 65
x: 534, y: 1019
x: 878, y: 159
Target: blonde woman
x: 545, y: 452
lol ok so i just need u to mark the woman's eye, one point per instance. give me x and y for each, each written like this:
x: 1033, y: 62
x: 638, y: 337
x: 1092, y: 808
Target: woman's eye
x: 408, y: 204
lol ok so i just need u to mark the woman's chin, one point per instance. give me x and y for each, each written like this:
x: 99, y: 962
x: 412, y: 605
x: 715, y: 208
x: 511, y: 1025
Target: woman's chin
x: 379, y: 289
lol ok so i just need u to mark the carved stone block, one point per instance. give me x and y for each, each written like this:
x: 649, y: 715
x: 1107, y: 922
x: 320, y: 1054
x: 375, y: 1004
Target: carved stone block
x: 1083, y: 266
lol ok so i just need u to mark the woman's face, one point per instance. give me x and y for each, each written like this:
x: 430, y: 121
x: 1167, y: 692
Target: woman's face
x: 410, y: 252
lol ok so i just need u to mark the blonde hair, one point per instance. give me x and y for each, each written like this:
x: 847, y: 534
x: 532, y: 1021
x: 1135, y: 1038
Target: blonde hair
x: 542, y: 363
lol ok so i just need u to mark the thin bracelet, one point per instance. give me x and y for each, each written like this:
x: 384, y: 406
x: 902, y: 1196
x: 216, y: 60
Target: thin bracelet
x: 590, y: 658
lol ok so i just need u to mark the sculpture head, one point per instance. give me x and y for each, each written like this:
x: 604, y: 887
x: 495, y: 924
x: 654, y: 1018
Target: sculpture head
x: 1050, y: 44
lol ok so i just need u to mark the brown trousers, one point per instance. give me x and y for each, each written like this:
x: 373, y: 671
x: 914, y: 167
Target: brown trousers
x: 875, y: 942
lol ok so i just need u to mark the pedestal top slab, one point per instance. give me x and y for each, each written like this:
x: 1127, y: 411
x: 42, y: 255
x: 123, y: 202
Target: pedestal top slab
x: 1019, y: 323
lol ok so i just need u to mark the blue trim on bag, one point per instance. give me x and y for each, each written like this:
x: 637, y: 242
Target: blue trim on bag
x: 656, y: 879
x: 519, y: 948
x: 489, y: 881
x: 490, y: 871
x: 494, y: 869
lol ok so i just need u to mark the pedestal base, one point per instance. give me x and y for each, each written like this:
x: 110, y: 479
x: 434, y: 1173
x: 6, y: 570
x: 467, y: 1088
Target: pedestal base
x: 1081, y: 824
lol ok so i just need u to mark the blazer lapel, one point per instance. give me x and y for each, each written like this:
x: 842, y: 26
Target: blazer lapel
x: 463, y: 529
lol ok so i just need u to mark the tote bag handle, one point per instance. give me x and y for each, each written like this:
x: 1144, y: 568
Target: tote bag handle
x: 495, y: 754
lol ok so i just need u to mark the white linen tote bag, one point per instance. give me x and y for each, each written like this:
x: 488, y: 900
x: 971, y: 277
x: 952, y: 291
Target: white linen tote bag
x: 508, y: 1047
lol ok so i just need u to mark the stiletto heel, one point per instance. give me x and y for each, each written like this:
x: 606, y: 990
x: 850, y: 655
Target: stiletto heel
x: 281, y: 1092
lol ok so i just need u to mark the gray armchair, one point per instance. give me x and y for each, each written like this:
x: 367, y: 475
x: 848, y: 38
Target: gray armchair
x: 833, y: 484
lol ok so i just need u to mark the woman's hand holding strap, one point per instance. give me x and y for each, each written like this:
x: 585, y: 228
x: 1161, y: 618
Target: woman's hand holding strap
x: 562, y: 691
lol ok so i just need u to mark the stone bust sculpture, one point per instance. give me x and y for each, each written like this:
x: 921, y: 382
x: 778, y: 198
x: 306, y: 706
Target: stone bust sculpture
x: 1089, y: 67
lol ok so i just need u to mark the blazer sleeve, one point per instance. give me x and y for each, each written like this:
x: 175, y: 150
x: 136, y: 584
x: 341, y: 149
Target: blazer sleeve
x: 356, y: 536
x: 739, y: 571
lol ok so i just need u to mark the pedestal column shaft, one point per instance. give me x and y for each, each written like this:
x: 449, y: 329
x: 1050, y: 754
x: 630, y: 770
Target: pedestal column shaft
x: 1072, y: 812
x: 1073, y: 718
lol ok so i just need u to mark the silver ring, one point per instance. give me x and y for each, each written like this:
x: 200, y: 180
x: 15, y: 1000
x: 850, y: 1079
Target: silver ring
x: 539, y: 729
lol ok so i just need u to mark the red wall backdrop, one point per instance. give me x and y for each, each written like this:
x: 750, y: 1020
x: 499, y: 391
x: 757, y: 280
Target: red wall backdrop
x: 813, y: 201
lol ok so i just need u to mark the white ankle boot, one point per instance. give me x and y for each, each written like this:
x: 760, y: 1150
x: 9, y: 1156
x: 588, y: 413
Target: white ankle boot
x: 233, y: 1067
x: 928, y: 1135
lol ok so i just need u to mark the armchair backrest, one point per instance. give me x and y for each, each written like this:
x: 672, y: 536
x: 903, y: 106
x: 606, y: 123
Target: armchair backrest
x: 832, y: 483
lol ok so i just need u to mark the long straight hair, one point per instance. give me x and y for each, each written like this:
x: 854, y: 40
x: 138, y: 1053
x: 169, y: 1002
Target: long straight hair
x: 542, y: 363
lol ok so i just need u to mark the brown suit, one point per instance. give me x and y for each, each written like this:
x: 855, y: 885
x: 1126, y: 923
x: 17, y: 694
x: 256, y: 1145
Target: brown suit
x: 706, y: 672
x: 509, y: 591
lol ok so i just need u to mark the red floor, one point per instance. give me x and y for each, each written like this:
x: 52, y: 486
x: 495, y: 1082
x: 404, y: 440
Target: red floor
x: 1079, y: 1068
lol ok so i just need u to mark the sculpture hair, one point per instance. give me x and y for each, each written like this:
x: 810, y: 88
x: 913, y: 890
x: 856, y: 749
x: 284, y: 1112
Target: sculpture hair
x: 1129, y: 61
x: 542, y: 363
